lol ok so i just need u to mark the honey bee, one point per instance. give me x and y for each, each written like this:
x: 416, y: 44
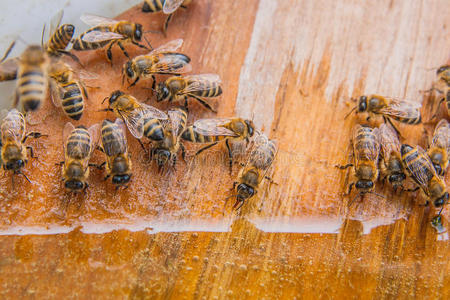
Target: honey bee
x: 32, y: 81
x: 167, y: 6
x: 79, y: 145
x: 212, y: 131
x: 108, y: 32
x: 14, y: 154
x: 9, y: 67
x: 440, y: 147
x: 195, y: 86
x: 254, y: 171
x: 421, y: 170
x: 391, y: 165
x: 442, y: 86
x: 114, y: 145
x: 163, y: 60
x: 141, y: 119
x: 66, y: 91
x: 366, y: 149
x: 166, y: 150
x: 400, y: 110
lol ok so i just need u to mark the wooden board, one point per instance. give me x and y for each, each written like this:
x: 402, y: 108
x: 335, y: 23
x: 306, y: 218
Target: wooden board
x: 292, y: 67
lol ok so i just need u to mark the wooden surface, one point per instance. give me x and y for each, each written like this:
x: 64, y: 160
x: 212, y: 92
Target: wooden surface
x: 292, y: 66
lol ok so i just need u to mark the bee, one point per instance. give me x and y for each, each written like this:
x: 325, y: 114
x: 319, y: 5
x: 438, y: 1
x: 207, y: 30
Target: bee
x: 108, y: 32
x: 440, y: 147
x: 421, y: 170
x: 167, y: 6
x: 195, y: 86
x: 400, y: 110
x: 66, y: 91
x: 80, y: 142
x: 163, y: 60
x: 166, y: 150
x: 114, y: 145
x: 212, y: 131
x: 391, y: 165
x: 9, y: 67
x: 14, y: 154
x: 141, y: 119
x: 366, y: 149
x: 254, y: 171
x: 32, y: 81
x: 442, y: 86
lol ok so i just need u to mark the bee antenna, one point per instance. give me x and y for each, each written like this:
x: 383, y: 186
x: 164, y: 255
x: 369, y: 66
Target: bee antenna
x: 8, y: 51
x: 148, y: 43
x: 439, y: 214
x: 346, y: 116
x: 42, y: 37
x: 105, y: 99
x: 379, y: 195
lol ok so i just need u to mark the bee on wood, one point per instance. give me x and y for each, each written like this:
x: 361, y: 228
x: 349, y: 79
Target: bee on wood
x: 114, y: 145
x: 14, y: 154
x: 440, y: 147
x: 366, y: 149
x: 421, y: 170
x: 196, y: 86
x: 163, y: 60
x: 67, y: 91
x: 106, y: 33
x: 212, y: 131
x: 9, y: 67
x: 391, y: 165
x: 254, y: 171
x: 80, y: 142
x: 167, y: 6
x: 442, y: 86
x: 166, y: 150
x: 400, y: 110
x: 141, y: 119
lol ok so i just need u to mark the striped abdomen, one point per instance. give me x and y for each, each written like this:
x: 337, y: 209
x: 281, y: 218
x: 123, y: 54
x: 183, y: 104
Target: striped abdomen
x: 263, y: 155
x: 13, y: 126
x: 113, y: 139
x: 210, y: 89
x: 81, y: 45
x: 79, y: 143
x: 153, y: 5
x: 181, y: 115
x: 365, y: 141
x: 61, y: 38
x: 412, y: 120
x: 153, y: 129
x: 192, y: 136
x: 72, y: 101
x: 31, y: 88
x: 414, y: 160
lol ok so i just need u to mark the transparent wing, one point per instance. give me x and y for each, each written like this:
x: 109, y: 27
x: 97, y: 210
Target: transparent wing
x: 100, y: 36
x: 171, y: 64
x: 68, y: 128
x: 55, y: 21
x: 201, y: 82
x: 171, y: 46
x: 13, y: 125
x: 441, y: 136
x: 171, y: 5
x: 83, y: 74
x: 135, y: 119
x: 8, y: 69
x: 263, y: 153
x: 94, y: 132
x: 121, y: 125
x: 117, y: 141
x: 421, y: 169
x: 388, y: 140
x: 213, y: 127
x: 94, y: 20
x: 365, y: 143
x: 57, y: 92
x: 402, y: 108
x: 176, y: 122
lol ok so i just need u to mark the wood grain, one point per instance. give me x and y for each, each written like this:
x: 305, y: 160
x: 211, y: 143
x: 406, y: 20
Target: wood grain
x: 292, y: 67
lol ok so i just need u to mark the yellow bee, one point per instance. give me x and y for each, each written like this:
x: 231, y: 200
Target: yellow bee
x: 196, y: 86
x: 212, y: 131
x: 32, y: 81
x: 391, y: 165
x: 163, y: 60
x: 421, y: 170
x: 440, y: 147
x: 14, y: 154
x: 67, y: 91
x: 366, y: 149
x: 114, y: 145
x: 167, y: 6
x: 254, y: 171
x: 108, y: 32
x: 141, y: 119
x: 80, y: 142
x: 9, y: 67
x: 400, y: 110
x: 166, y: 150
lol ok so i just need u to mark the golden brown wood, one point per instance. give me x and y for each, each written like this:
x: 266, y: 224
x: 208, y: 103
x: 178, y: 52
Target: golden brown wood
x: 292, y: 66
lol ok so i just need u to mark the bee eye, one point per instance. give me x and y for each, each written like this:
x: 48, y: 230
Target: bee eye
x: 362, y: 106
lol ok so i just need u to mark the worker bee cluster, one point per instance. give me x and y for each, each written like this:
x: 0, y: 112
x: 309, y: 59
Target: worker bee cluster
x: 43, y: 68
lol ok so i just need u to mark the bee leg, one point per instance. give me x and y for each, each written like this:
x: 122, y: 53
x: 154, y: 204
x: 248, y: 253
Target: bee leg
x: 388, y: 120
x: 60, y: 164
x: 84, y: 90
x: 166, y: 24
x: 106, y: 177
x: 183, y: 152
x: 123, y: 50
x: 350, y: 187
x: 230, y: 156
x: 204, y: 103
x: 270, y: 180
x: 143, y: 46
x: 234, y: 184
x: 31, y: 152
x: 109, y: 52
x: 437, y: 109
x: 413, y: 190
x: 204, y: 148
x: 368, y: 118
x: 344, y: 167
x: 186, y: 103
x: 35, y: 135
x: 25, y: 176
x: 153, y: 82
x: 142, y: 145
x: 100, y: 167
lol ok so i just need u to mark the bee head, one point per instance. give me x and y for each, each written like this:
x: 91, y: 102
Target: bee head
x: 138, y: 33
x: 33, y: 55
x: 114, y: 96
x: 128, y: 70
x: 74, y: 185
x: 362, y: 104
x: 441, y: 201
x: 244, y: 192
x: 162, y: 92
x: 162, y: 156
x: 397, y: 178
x: 16, y: 164
x: 69, y: 28
x: 405, y: 149
x: 250, y: 127
x: 121, y: 179
x: 364, y: 184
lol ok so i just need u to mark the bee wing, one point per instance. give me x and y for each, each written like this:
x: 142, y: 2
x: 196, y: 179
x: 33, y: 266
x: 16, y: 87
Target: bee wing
x: 422, y: 170
x: 135, y: 118
x: 94, y: 132
x: 199, y: 82
x: 402, y: 108
x: 118, y: 136
x: 213, y: 127
x: 441, y: 136
x: 388, y: 140
x: 56, y: 21
x: 261, y: 153
x: 171, y: 64
x: 16, y: 125
x: 171, y: 46
x: 369, y: 151
x: 171, y: 5
x: 176, y: 122
x: 83, y: 74
x: 9, y: 67
x: 68, y: 128
x: 93, y: 20
x: 100, y: 36
x: 57, y: 93
x: 121, y: 125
